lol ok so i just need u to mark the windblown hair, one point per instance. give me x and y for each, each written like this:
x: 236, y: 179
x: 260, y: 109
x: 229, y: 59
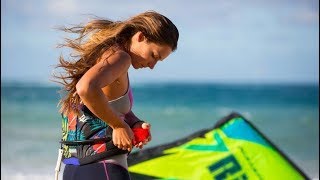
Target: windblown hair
x: 100, y: 35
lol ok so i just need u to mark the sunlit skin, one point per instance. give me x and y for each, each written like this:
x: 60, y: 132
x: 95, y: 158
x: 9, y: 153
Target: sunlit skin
x: 145, y: 54
x: 108, y: 80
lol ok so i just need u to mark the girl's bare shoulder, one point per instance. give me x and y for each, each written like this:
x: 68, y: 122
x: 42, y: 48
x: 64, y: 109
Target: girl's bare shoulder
x: 119, y: 56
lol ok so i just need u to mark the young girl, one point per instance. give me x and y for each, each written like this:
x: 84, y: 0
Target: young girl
x: 97, y: 120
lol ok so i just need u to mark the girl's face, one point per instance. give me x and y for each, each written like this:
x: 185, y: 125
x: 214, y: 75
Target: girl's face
x: 146, y: 54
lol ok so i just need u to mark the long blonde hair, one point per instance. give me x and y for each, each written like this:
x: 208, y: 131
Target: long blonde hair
x: 100, y: 35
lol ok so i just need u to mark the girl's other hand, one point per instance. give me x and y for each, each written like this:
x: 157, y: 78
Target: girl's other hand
x: 142, y: 140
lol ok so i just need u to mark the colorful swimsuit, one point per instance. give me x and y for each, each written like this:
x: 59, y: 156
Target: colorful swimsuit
x: 87, y: 140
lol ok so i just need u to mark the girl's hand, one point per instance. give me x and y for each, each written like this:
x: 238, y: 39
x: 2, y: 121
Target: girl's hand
x: 146, y: 126
x: 122, y: 137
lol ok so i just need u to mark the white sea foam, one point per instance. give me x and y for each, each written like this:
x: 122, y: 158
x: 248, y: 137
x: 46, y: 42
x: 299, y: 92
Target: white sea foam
x: 27, y: 173
x: 22, y: 176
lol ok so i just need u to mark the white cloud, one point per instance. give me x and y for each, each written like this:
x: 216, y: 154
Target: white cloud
x: 214, y: 33
x: 62, y: 7
x: 308, y: 17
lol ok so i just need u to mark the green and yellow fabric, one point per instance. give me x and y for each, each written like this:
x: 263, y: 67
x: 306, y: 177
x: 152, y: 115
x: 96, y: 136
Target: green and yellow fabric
x: 233, y: 149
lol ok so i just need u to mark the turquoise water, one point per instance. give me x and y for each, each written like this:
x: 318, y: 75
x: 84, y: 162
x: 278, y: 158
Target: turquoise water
x: 287, y: 114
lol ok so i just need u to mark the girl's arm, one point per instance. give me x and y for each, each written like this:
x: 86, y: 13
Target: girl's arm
x: 131, y: 119
x: 89, y: 88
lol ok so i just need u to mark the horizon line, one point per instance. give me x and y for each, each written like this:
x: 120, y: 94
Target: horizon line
x: 6, y: 83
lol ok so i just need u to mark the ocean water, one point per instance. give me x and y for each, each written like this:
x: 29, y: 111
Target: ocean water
x: 287, y: 114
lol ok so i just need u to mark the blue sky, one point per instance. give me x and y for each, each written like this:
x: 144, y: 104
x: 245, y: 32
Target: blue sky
x: 236, y: 41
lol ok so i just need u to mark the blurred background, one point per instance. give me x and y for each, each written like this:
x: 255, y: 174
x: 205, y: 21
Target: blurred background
x: 258, y: 58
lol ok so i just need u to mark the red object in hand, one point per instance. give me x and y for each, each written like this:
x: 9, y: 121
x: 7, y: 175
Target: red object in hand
x: 140, y: 135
